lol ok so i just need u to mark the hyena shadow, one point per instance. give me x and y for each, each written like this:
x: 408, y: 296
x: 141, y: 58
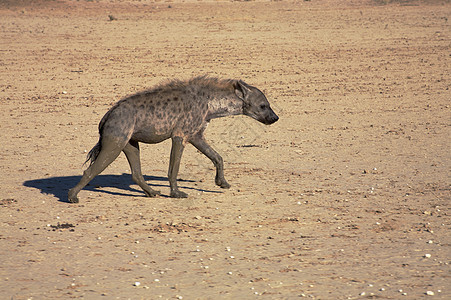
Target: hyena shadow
x: 119, y: 185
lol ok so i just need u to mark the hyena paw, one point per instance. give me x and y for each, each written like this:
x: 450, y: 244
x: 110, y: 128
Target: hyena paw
x: 152, y: 193
x: 222, y: 183
x: 178, y: 194
x: 72, y: 197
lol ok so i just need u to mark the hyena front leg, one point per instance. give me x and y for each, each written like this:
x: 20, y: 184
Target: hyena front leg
x: 199, y: 142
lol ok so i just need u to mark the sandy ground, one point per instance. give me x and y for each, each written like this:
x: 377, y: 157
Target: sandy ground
x: 347, y: 196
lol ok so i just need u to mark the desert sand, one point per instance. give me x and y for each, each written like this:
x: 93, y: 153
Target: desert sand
x: 347, y: 196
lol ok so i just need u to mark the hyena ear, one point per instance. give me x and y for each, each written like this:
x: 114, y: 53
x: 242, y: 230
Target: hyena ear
x: 241, y: 89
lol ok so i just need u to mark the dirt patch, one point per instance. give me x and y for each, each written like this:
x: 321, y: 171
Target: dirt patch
x: 173, y: 227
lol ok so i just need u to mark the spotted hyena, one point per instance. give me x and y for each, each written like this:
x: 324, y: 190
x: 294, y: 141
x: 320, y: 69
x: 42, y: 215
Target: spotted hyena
x: 179, y: 110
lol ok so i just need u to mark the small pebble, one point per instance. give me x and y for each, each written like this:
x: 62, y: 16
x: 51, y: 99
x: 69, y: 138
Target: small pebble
x: 430, y: 293
x: 137, y: 283
x: 427, y: 255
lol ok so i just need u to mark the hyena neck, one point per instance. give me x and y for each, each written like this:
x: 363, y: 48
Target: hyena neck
x: 224, y: 104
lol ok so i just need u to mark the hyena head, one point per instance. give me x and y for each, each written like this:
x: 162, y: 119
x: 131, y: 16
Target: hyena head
x: 255, y: 104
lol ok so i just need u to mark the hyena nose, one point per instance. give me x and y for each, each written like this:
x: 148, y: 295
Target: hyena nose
x: 272, y: 119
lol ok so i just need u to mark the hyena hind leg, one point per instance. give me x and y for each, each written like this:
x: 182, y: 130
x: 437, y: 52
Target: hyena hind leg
x: 131, y: 151
x: 111, y: 148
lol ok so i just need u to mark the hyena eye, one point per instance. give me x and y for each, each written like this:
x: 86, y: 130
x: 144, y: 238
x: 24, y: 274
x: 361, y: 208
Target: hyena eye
x: 263, y: 106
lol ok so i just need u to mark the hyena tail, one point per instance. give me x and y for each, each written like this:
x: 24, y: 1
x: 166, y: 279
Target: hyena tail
x: 94, y: 153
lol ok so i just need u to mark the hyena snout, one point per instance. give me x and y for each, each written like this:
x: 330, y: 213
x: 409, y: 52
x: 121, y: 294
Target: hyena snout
x: 270, y: 118
x: 255, y: 103
x: 265, y: 115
